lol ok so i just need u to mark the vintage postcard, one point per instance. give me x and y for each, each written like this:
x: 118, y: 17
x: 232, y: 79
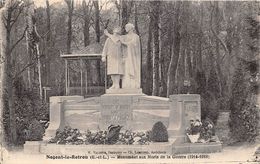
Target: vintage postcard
x: 128, y: 81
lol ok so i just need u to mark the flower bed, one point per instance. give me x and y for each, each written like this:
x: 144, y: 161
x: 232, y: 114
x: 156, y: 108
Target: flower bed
x: 75, y: 137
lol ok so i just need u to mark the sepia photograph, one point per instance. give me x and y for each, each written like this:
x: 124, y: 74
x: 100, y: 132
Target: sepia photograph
x: 129, y: 81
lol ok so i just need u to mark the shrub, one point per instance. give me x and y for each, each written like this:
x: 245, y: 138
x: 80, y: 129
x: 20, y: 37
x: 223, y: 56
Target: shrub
x: 209, y: 107
x: 243, y: 121
x: 209, y: 94
x: 159, y: 132
x: 35, y: 131
x: 213, y: 84
x: 201, y: 82
x: 244, y: 117
x: 31, y: 114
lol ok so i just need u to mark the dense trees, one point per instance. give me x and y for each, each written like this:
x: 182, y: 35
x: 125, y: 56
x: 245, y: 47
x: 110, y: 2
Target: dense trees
x: 244, y: 112
x: 196, y: 43
x: 10, y: 15
x: 175, y: 52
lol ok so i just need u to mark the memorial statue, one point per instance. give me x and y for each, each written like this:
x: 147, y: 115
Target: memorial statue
x: 113, y: 53
x: 131, y: 54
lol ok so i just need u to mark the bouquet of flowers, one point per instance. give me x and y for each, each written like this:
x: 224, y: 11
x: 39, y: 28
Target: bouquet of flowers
x: 207, y: 131
x: 193, y: 132
x: 201, y: 132
x: 195, y: 127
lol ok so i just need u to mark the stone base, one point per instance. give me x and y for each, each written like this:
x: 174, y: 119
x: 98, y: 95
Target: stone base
x: 197, y: 148
x: 43, y: 147
x: 32, y: 147
x: 134, y: 111
x: 170, y: 148
x: 124, y: 91
x: 85, y: 149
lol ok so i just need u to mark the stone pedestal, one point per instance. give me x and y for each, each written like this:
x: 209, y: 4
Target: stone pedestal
x: 137, y: 112
x: 122, y: 149
x: 184, y: 107
x: 57, y: 114
x: 169, y: 148
x: 125, y: 91
x: 32, y: 147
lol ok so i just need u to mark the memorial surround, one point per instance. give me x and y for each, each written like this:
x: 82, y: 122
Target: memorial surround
x: 136, y: 112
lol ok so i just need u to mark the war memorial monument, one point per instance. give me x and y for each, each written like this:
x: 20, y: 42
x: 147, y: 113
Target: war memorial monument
x: 125, y: 106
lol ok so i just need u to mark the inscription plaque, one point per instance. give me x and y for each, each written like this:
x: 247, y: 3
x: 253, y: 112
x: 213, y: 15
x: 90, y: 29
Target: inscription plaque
x: 116, y: 111
x: 191, y: 111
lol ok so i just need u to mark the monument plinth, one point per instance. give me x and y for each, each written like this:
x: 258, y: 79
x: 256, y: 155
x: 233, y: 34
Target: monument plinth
x: 136, y: 112
x: 132, y: 111
x: 124, y: 91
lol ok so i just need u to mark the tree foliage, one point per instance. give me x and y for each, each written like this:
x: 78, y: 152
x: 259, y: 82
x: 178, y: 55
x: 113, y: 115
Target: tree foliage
x: 244, y: 116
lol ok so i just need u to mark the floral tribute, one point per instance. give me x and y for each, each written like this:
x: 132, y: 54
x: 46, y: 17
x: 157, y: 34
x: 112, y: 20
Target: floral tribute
x: 112, y: 136
x: 205, y: 131
x: 195, y: 127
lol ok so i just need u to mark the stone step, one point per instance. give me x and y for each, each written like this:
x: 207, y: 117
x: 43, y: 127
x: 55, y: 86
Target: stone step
x: 170, y: 148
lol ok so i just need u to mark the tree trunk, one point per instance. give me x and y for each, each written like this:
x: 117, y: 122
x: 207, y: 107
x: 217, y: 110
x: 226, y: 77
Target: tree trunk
x: 169, y: 49
x: 70, y: 4
x: 2, y: 66
x: 86, y: 33
x: 49, y: 45
x: 98, y: 64
x: 39, y: 69
x: 156, y: 46
x: 30, y: 70
x: 136, y: 20
x: 33, y: 42
x: 218, y: 58
x: 189, y: 64
x: 199, y: 59
x: 124, y: 15
x: 8, y: 80
x: 162, y: 83
x: 86, y: 24
x: 148, y: 73
x: 97, y: 21
x: 180, y: 77
x: 86, y: 12
x: 48, y: 21
x: 97, y: 29
x: 125, y: 12
x: 176, y: 52
x: 9, y: 83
